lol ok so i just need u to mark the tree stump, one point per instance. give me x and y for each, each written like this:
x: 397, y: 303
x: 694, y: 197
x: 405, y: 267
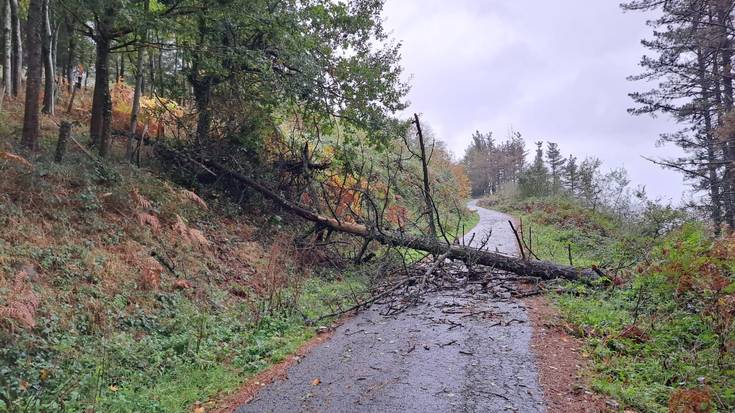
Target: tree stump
x: 64, y: 132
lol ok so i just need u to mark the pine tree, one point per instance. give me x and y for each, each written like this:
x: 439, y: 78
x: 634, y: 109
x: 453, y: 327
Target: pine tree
x: 570, y: 176
x: 535, y: 180
x: 556, y: 164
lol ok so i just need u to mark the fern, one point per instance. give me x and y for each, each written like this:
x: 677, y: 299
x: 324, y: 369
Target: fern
x: 15, y: 158
x: 190, y: 196
x: 22, y: 307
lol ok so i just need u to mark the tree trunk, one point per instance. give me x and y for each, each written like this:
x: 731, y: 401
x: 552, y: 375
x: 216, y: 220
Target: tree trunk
x: 106, y: 125
x: 542, y: 269
x: 34, y: 34
x: 71, y: 50
x: 7, y: 47
x: 202, y: 98
x: 122, y: 68
x: 64, y: 132
x: 101, y: 89
x: 151, y: 72
x: 725, y: 46
x: 136, y: 103
x: 48, y: 62
x: 17, y: 48
x: 427, y: 184
x: 713, y: 181
x: 138, y: 91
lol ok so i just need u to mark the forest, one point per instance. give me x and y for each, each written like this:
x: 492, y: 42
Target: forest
x: 204, y: 203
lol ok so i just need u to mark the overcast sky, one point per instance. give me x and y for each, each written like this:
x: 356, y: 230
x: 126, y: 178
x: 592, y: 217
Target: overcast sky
x: 552, y: 70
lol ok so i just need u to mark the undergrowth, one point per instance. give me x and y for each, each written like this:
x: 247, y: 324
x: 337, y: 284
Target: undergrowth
x: 121, y: 292
x: 660, y: 330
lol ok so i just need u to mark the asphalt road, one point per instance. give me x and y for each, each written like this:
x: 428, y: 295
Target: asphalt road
x: 461, y: 350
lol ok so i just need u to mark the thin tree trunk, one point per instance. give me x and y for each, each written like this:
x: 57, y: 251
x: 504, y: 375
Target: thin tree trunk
x: 427, y: 183
x: 7, y: 46
x: 48, y: 62
x: 17, y: 48
x: 714, y: 183
x: 151, y: 72
x: 34, y: 34
x: 106, y: 125
x: 202, y: 98
x: 121, y: 77
x: 136, y: 103
x: 71, y: 50
x: 138, y: 92
x: 64, y: 132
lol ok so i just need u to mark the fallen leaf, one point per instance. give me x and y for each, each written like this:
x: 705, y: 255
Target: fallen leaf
x: 316, y: 382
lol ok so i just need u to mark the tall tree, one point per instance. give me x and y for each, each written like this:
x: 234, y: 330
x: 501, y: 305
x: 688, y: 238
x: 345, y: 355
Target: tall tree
x: 317, y: 55
x: 48, y: 62
x: 16, y: 34
x: 570, y: 176
x: 556, y: 163
x: 535, y: 179
x: 590, y: 182
x: 135, y: 108
x: 7, y: 46
x: 34, y: 35
x: 692, y: 42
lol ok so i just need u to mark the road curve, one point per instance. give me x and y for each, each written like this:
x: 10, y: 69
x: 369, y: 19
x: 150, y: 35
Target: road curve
x: 461, y: 350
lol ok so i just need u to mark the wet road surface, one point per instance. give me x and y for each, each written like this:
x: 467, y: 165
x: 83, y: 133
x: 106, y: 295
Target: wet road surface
x: 460, y: 350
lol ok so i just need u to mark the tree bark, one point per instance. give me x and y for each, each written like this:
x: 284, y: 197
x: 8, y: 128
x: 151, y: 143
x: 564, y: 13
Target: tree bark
x: 48, y: 62
x: 202, y: 99
x: 7, y: 47
x: 136, y: 103
x: 17, y: 48
x: 151, y: 72
x: 64, y: 132
x: 713, y: 181
x: 101, y: 90
x: 71, y: 50
x: 34, y: 34
x: 138, y: 92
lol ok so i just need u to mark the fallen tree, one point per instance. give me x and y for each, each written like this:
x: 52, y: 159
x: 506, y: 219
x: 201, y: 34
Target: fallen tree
x: 541, y: 269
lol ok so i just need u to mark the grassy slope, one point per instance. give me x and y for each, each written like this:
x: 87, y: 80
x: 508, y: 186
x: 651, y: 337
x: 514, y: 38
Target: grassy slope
x: 679, y: 347
x: 113, y: 332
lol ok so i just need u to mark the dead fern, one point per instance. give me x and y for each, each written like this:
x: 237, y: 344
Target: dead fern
x: 139, y: 200
x: 145, y: 218
x: 22, y: 307
x: 15, y: 158
x: 691, y: 401
x: 190, y: 196
x: 150, y: 278
x: 190, y: 235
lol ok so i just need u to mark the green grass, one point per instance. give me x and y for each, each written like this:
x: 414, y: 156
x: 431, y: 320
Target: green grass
x: 185, y: 355
x: 680, y: 347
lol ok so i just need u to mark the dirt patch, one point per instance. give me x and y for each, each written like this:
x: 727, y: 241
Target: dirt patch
x: 560, y: 362
x: 279, y: 371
